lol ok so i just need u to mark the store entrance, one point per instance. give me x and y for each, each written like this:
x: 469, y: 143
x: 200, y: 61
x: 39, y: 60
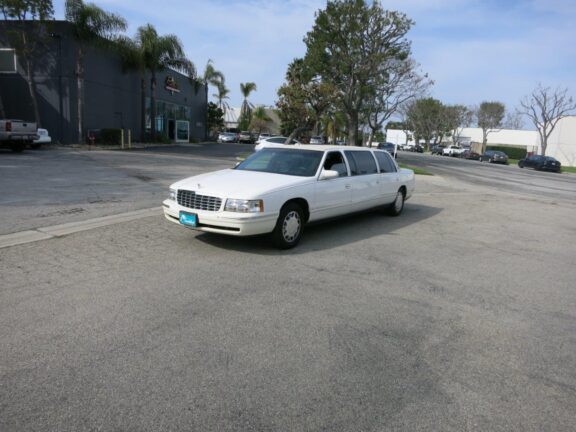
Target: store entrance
x: 178, y: 130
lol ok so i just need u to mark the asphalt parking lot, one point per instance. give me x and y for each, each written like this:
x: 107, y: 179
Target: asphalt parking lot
x: 459, y: 315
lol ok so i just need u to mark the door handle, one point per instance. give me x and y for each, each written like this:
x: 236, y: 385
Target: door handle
x: 347, y: 186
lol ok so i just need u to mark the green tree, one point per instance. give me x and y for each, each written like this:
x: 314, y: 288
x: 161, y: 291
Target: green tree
x: 349, y: 48
x: 425, y: 117
x: 160, y: 53
x: 396, y: 125
x: 293, y: 110
x: 215, y: 118
x: 489, y: 116
x: 260, y: 119
x: 545, y: 107
x: 30, y: 31
x: 92, y: 25
x: 304, y: 98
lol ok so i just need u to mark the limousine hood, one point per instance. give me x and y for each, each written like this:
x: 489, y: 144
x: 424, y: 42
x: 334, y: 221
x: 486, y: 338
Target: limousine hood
x: 230, y: 183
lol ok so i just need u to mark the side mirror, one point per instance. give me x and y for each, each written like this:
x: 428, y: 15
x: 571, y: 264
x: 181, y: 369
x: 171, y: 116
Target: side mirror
x: 328, y: 174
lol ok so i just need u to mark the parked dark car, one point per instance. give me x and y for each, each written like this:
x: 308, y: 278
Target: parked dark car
x: 469, y: 154
x: 494, y: 156
x: 389, y: 147
x: 417, y: 148
x: 438, y: 149
x: 540, y: 163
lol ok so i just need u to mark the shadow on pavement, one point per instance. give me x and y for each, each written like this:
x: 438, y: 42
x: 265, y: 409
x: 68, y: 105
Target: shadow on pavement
x: 328, y: 235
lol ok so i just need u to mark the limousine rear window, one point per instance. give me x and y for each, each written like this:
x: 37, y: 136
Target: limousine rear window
x: 361, y: 162
x: 385, y: 162
x: 301, y: 163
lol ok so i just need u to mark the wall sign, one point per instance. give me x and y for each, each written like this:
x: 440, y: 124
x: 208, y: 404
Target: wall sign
x: 171, y: 85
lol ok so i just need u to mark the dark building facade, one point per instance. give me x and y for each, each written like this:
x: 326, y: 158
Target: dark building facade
x: 111, y: 94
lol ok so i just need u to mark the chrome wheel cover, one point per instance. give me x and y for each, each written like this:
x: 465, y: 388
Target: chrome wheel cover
x: 291, y: 226
x: 399, y: 202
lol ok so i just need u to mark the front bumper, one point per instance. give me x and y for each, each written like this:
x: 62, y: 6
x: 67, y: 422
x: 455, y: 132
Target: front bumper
x: 221, y: 222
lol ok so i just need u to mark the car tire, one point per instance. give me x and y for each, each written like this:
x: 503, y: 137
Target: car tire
x: 395, y: 209
x: 36, y: 146
x: 18, y: 147
x: 289, y: 227
x: 490, y: 160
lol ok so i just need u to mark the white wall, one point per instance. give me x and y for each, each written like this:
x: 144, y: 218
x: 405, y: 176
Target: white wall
x: 524, y: 138
x: 397, y: 137
x: 562, y: 141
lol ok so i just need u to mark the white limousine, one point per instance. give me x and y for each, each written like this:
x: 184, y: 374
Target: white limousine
x: 279, y: 190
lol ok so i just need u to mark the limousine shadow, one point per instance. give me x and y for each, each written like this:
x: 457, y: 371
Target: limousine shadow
x: 328, y: 234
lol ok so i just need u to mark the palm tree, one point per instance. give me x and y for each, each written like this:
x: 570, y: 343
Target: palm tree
x: 246, y: 108
x: 132, y: 55
x: 246, y: 89
x: 158, y: 54
x: 92, y: 25
x: 213, y: 77
x: 222, y: 94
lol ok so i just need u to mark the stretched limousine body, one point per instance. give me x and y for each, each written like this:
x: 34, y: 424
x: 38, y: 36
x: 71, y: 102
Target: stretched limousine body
x: 278, y: 190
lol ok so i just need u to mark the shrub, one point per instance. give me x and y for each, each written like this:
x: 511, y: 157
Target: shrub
x: 109, y: 137
x: 511, y: 151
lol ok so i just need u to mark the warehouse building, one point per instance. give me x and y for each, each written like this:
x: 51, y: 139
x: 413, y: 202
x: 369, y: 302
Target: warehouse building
x: 112, y: 96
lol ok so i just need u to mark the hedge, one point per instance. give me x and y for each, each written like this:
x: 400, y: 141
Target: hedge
x: 512, y: 152
x: 110, y: 136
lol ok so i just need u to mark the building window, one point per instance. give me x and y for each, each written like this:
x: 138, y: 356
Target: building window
x: 7, y: 60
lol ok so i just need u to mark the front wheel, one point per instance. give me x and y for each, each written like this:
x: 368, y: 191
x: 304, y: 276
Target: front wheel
x: 289, y: 226
x: 398, y: 205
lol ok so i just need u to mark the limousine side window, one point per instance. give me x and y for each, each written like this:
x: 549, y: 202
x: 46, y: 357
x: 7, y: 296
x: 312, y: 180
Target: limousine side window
x: 361, y: 162
x: 385, y: 161
x: 334, y: 161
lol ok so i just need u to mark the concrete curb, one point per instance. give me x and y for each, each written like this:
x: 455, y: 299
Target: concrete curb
x: 61, y: 230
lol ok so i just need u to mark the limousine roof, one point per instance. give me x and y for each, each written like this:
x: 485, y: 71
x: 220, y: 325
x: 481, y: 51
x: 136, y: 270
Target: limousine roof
x: 322, y: 147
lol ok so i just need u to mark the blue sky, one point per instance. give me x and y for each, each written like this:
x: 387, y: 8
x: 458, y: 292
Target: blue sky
x: 474, y: 50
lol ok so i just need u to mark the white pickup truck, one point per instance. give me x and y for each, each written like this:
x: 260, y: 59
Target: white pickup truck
x: 16, y: 134
x: 452, y: 150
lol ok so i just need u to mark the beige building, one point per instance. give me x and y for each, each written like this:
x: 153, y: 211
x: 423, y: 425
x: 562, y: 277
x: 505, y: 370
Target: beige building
x: 562, y: 141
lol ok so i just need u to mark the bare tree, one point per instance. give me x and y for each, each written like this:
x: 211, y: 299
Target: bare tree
x: 397, y: 86
x: 545, y: 107
x: 513, y: 120
x: 457, y: 117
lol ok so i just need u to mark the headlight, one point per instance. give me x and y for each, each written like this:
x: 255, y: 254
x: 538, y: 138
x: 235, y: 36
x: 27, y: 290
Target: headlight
x: 172, y: 194
x: 244, y: 206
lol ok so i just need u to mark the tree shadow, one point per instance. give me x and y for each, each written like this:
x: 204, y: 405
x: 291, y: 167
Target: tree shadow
x: 327, y: 235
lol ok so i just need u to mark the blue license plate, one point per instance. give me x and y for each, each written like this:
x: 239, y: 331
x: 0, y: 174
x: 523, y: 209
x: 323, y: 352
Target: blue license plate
x: 189, y: 219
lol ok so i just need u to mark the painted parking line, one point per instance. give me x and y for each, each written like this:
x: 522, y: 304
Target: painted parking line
x: 61, y: 230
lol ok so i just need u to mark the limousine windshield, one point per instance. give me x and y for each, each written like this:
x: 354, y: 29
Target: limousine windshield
x: 294, y: 162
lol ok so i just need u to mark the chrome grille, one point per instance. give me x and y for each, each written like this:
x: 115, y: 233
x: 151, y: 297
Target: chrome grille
x: 193, y: 200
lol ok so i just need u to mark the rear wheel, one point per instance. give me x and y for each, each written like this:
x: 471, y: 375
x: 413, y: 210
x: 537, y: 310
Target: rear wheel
x: 521, y: 164
x: 289, y: 226
x: 398, y: 205
x: 18, y: 147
